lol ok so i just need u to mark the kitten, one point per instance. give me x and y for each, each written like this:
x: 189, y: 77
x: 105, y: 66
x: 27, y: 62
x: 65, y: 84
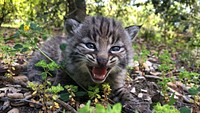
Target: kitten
x: 97, y: 50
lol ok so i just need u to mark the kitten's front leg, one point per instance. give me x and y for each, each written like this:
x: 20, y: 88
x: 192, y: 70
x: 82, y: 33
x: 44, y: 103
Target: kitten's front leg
x: 129, y: 102
x: 34, y: 73
x: 122, y: 94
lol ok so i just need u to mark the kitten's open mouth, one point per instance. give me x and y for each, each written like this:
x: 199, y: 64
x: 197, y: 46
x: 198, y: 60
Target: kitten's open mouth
x: 99, y: 74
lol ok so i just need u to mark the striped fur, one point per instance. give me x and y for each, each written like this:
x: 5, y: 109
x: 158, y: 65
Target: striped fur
x: 98, y: 50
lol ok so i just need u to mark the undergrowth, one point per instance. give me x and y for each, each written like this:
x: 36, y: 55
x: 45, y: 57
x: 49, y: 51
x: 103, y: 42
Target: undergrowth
x: 27, y: 37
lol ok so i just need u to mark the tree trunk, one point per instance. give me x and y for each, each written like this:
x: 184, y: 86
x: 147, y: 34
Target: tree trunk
x: 76, y: 10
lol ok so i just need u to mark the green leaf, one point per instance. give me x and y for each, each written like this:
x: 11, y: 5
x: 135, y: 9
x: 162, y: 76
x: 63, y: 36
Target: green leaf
x: 55, y: 97
x: 56, y: 89
x: 117, y: 108
x: 81, y: 93
x: 164, y: 67
x: 16, y: 35
x: 172, y: 100
x: 86, y: 108
x: 193, y: 91
x: 44, y: 75
x: 49, y: 83
x: 198, y: 89
x: 41, y: 63
x: 63, y: 111
x: 52, y: 66
x: 64, y: 96
x: 44, y: 37
x: 93, y: 91
x: 109, y: 109
x: 35, y: 40
x: 21, y: 27
x: 34, y: 26
x: 63, y: 46
x: 24, y: 49
x: 100, y: 109
x: 18, y: 46
x: 73, y: 88
x: 158, y: 108
x: 185, y: 110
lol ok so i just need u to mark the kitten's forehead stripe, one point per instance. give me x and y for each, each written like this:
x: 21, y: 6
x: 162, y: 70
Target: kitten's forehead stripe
x: 117, y: 38
x: 100, y: 27
x: 94, y: 35
x: 113, y: 22
x: 108, y: 27
x: 93, y: 20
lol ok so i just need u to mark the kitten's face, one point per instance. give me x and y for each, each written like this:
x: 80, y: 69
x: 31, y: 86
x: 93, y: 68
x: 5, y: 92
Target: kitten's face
x: 103, y: 45
x: 102, y: 54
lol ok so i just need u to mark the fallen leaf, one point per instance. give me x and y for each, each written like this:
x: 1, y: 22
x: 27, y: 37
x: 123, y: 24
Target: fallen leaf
x: 15, y: 95
x: 20, y: 79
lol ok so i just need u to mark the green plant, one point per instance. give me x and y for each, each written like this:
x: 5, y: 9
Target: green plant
x: 86, y: 109
x: 17, y: 43
x: 158, y: 108
x: 46, y: 94
x: 47, y: 67
x: 166, y: 62
x: 93, y: 93
x: 55, y: 90
x: 31, y: 33
x: 99, y: 94
x: 185, y: 110
x: 166, y: 66
x: 71, y: 89
x: 195, y: 91
x: 116, y: 108
x: 142, y: 54
x: 188, y: 77
x: 44, y: 90
x: 191, y: 78
x: 164, y: 87
x: 172, y: 100
x: 106, y: 92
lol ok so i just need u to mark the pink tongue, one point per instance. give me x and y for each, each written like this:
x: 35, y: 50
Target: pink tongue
x: 99, y: 72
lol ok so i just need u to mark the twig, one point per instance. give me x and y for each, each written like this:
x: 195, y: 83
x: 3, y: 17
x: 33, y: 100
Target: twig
x: 187, y: 99
x: 44, y: 54
x: 66, y: 106
x: 152, y: 77
x: 20, y: 101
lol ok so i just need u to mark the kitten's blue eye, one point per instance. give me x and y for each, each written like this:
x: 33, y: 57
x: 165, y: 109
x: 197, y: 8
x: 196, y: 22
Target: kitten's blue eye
x: 90, y: 45
x: 115, y: 48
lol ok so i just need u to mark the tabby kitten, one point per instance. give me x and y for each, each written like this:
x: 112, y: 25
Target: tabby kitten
x: 98, y: 50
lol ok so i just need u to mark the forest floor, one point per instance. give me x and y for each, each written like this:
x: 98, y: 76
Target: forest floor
x: 148, y: 84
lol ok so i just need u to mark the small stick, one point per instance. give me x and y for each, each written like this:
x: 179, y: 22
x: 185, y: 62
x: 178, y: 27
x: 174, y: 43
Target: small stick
x: 66, y: 106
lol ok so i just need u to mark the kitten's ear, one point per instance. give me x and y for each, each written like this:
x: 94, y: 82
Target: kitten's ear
x: 70, y: 26
x: 133, y: 31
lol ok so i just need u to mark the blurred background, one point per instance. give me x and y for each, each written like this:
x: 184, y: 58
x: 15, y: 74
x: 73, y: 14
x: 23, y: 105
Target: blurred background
x: 166, y: 24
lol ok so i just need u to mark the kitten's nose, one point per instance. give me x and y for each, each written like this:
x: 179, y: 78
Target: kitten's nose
x: 102, y: 61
